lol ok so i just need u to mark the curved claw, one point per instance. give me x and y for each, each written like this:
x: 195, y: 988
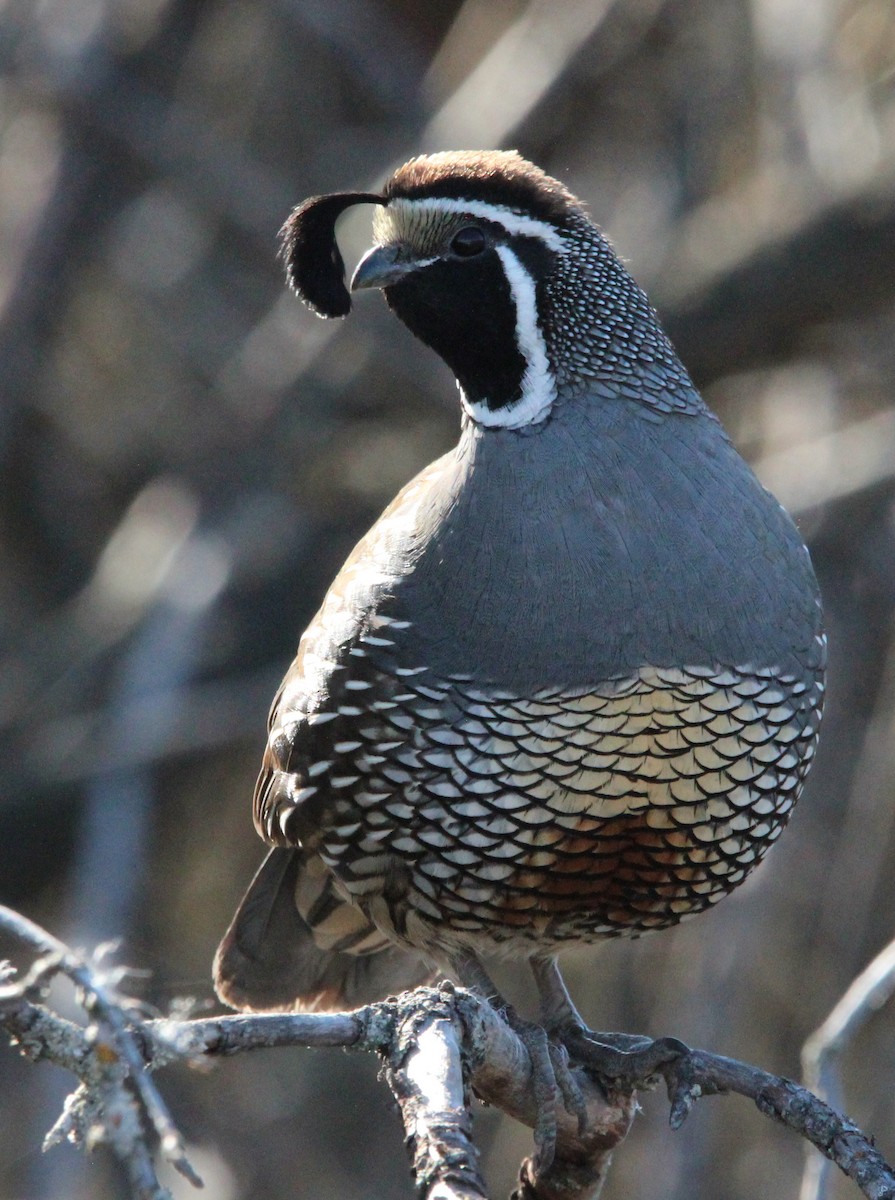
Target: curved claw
x: 683, y: 1090
x: 551, y: 1078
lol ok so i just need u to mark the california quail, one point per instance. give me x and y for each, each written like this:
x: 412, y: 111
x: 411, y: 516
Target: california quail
x: 568, y: 687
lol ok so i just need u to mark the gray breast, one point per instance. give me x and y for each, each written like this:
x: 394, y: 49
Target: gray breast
x: 567, y: 687
x: 599, y: 542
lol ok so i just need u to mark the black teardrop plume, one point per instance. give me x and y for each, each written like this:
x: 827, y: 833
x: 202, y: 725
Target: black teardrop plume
x: 314, y: 266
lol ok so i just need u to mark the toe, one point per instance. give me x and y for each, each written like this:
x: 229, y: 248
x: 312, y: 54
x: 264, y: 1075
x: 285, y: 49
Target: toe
x: 572, y: 1098
x: 544, y: 1087
x: 621, y: 1057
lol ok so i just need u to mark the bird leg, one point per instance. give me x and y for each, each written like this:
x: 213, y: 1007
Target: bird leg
x: 619, y: 1057
x: 549, y: 1062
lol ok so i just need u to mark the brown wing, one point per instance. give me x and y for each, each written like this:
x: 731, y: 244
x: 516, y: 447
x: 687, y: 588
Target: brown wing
x: 294, y: 944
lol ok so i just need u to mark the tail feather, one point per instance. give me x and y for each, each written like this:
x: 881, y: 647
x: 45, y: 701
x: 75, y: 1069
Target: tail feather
x: 296, y: 945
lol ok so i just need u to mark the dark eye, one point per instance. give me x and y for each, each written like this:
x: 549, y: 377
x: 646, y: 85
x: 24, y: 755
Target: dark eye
x: 468, y: 241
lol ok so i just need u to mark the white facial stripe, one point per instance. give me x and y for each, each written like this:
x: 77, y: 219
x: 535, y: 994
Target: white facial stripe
x: 512, y: 222
x: 538, y: 382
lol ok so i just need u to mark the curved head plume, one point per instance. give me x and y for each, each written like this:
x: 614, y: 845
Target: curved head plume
x: 314, y: 265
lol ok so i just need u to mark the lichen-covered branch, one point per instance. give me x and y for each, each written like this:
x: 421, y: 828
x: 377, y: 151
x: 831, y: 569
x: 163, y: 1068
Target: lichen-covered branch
x: 437, y: 1045
x: 424, y: 1069
x: 838, y: 1138
x: 116, y: 1089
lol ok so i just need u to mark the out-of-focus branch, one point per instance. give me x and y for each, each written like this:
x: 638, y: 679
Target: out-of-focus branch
x: 834, y: 267
x: 517, y: 71
x: 431, y: 1041
x: 873, y: 988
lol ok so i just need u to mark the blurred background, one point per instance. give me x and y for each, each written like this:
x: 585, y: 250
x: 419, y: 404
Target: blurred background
x: 188, y: 456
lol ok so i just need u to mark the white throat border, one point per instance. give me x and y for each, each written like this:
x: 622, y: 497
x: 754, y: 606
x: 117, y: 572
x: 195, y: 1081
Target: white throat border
x: 538, y: 381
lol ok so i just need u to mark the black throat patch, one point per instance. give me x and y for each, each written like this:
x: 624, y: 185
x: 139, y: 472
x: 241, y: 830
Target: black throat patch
x: 465, y: 311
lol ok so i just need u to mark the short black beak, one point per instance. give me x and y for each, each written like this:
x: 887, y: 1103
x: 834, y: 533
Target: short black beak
x: 381, y: 267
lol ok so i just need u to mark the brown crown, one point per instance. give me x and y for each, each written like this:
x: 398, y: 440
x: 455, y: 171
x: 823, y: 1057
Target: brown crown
x: 496, y: 176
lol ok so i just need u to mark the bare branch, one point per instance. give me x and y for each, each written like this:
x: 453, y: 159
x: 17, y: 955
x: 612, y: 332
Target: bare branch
x: 116, y: 1056
x: 428, y: 1038
x: 233, y: 1034
x: 435, y: 1043
x: 866, y: 994
x: 500, y: 1074
x: 837, y: 1138
x: 425, y: 1072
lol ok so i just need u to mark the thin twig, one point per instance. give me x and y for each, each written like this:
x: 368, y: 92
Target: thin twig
x: 865, y: 995
x: 103, y: 1006
x: 839, y: 1139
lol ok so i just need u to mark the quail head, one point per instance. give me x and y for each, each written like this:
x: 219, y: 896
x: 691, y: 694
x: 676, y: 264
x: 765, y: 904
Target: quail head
x: 568, y: 686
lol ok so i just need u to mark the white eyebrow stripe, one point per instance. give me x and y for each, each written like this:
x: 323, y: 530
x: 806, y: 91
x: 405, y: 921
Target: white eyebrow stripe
x: 512, y: 222
x: 538, y: 382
